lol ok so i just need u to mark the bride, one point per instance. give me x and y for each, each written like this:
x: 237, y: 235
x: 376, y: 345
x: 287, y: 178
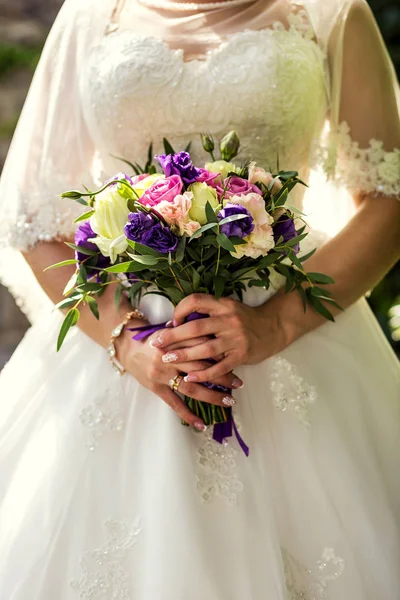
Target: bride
x: 103, y: 494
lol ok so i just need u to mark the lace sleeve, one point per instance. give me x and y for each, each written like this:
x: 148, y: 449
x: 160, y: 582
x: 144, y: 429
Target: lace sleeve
x: 51, y: 150
x: 363, y: 151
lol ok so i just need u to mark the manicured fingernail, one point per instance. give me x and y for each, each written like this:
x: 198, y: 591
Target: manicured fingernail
x: 228, y: 401
x: 156, y: 342
x: 169, y: 324
x: 169, y: 357
x: 189, y: 378
x: 174, y: 323
x: 200, y: 426
x: 237, y: 383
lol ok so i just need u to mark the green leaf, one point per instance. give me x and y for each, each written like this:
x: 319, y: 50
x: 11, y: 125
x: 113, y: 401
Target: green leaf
x: 307, y: 256
x: 219, y: 286
x: 189, y: 145
x: 233, y: 218
x: 264, y: 283
x: 85, y: 216
x: 210, y: 252
x: 71, y: 319
x: 225, y: 242
x: 174, y: 294
x: 208, y: 240
x: 134, y: 289
x: 320, y: 278
x: 193, y: 253
x: 180, y: 251
x: 70, y: 284
x: 196, y: 279
x: 142, y: 249
x: 82, y: 249
x: 94, y: 307
x: 63, y: 263
x: 144, y: 259
x: 303, y: 296
x: 237, y: 241
x: 126, y: 267
x: 168, y: 149
x: 295, y: 260
x: 320, y: 292
x: 82, y: 275
x: 320, y: 308
x: 202, y: 229
x: 68, y: 302
x: 210, y: 214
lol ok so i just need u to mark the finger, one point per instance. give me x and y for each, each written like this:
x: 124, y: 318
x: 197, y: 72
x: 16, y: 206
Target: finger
x: 205, y: 304
x: 200, y: 352
x: 214, y: 372
x: 204, y: 394
x: 186, y: 344
x: 230, y: 380
x: 181, y: 409
x: 187, y: 331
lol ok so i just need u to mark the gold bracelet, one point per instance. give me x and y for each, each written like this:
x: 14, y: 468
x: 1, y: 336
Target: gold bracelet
x: 116, y: 332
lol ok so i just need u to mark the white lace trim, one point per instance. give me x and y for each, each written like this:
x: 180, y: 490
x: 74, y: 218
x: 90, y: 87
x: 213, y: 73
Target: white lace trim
x: 104, y: 570
x: 218, y: 477
x: 306, y: 584
x: 290, y: 391
x: 370, y: 170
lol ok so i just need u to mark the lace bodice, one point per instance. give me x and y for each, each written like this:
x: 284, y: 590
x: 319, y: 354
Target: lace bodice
x: 268, y: 85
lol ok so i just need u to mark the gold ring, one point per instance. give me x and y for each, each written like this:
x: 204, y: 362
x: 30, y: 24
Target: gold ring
x: 175, y: 382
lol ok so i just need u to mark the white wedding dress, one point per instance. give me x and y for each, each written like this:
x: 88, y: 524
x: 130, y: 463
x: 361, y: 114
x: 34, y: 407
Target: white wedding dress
x: 103, y: 494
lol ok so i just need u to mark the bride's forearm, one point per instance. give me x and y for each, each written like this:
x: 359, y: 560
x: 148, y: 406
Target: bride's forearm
x: 356, y: 258
x: 53, y: 283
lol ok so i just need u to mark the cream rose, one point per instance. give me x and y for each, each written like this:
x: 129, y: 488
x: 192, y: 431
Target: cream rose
x: 202, y: 193
x: 108, y: 221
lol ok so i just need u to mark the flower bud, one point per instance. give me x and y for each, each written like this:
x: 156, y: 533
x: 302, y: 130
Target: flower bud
x: 229, y: 146
x: 74, y: 194
x: 208, y: 142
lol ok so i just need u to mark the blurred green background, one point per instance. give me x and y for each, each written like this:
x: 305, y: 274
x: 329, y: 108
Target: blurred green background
x: 24, y: 25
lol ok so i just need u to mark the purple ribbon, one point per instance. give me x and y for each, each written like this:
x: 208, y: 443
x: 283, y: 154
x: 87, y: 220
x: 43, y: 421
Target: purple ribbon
x: 221, y: 431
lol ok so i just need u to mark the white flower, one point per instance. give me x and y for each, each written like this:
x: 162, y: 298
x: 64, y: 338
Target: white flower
x: 261, y: 239
x: 108, y: 221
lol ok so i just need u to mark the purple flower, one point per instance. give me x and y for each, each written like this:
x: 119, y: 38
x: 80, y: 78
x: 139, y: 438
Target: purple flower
x: 160, y: 238
x: 285, y: 227
x: 179, y: 164
x: 83, y: 233
x: 147, y: 230
x: 120, y: 176
x: 240, y: 228
x: 138, y: 224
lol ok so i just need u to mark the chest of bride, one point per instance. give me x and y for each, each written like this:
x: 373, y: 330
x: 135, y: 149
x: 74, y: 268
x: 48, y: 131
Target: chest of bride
x: 268, y: 85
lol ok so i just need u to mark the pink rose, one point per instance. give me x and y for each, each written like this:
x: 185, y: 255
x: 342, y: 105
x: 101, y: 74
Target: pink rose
x: 236, y: 187
x: 176, y: 213
x: 257, y: 174
x: 207, y: 177
x: 164, y: 189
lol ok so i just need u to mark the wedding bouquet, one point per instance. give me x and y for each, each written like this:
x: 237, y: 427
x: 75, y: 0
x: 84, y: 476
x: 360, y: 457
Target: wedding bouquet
x: 215, y: 229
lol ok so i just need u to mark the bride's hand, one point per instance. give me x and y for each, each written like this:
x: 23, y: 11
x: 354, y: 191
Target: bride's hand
x: 143, y: 361
x: 242, y: 334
